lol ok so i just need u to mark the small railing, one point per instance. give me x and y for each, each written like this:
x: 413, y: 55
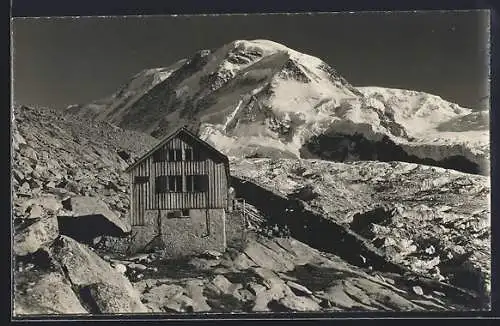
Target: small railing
x: 251, y: 218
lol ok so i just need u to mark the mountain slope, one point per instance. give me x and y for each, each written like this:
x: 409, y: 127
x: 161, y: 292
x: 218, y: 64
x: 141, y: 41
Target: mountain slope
x: 260, y: 98
x: 57, y: 157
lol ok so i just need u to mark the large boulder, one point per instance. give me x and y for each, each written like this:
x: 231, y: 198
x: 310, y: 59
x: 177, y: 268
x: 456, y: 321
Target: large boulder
x: 90, y: 219
x: 107, y: 290
x: 268, y: 258
x: 33, y: 234
x: 293, y: 302
x: 180, y: 303
x: 18, y: 140
x: 158, y: 296
x: 37, y: 206
x: 222, y: 284
x: 194, y: 289
x: 272, y: 294
x: 49, y: 293
x: 109, y: 298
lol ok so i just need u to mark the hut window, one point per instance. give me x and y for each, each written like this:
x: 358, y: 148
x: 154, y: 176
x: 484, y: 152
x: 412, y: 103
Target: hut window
x: 141, y: 179
x: 174, y: 214
x: 197, y: 183
x: 188, y: 154
x: 161, y: 184
x: 178, y: 183
x: 175, y: 155
x: 175, y: 183
x: 171, y: 183
x: 178, y: 214
x: 189, y: 183
x: 171, y: 155
x: 178, y: 155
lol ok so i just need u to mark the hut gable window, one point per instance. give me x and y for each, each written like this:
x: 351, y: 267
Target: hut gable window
x: 175, y: 155
x: 172, y: 155
x: 188, y: 154
x: 197, y: 183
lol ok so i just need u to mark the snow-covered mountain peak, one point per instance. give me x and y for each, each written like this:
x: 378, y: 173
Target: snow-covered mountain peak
x: 261, y: 98
x: 268, y: 47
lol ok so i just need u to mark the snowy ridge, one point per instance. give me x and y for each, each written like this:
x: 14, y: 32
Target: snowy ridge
x: 419, y: 112
x: 426, y: 118
x: 261, y: 98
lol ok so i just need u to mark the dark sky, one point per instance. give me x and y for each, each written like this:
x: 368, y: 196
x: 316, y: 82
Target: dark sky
x: 64, y: 61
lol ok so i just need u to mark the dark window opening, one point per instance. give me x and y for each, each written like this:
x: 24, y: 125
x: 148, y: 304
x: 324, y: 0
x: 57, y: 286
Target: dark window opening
x: 161, y: 184
x: 171, y: 155
x: 196, y: 183
x: 178, y: 183
x: 173, y: 214
x: 178, y: 214
x: 201, y: 183
x: 178, y: 155
x: 189, y: 183
x: 174, y: 155
x: 188, y: 154
x: 171, y: 183
x: 141, y: 179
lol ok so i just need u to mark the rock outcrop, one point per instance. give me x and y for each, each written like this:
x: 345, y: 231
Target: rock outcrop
x: 36, y: 232
x: 74, y: 280
x: 48, y: 294
x: 65, y: 167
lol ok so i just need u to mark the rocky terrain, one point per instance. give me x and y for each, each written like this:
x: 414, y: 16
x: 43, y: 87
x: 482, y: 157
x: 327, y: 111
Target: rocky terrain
x: 67, y: 177
x: 62, y: 156
x: 434, y: 221
x: 276, y: 274
x: 67, y: 180
x: 258, y: 98
x: 362, y: 198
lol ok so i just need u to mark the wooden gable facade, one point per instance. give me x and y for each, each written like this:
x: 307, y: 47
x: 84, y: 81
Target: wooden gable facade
x: 181, y: 173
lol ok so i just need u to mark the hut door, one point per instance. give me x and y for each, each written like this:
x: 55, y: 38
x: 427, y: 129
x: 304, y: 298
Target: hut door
x: 140, y: 199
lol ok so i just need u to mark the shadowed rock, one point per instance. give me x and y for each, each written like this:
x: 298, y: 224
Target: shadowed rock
x: 91, y: 218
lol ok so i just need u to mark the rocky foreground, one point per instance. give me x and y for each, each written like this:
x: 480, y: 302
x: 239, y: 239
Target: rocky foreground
x: 67, y: 175
x: 276, y: 274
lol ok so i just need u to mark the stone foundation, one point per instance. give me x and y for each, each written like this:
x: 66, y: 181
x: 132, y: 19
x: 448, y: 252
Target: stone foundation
x: 181, y: 236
